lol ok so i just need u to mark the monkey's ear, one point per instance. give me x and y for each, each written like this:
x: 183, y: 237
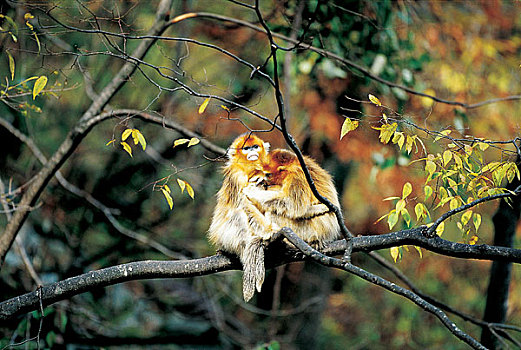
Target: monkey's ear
x: 230, y: 152
x: 266, y: 146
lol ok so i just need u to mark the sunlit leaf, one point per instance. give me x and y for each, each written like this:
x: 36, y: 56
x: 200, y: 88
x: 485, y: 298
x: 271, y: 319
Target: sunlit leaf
x: 168, y: 198
x: 483, y: 146
x: 386, y: 132
x: 140, y: 139
x: 390, y: 198
x: 347, y: 126
x: 180, y: 142
x: 203, y: 106
x: 418, y: 210
x: 407, y: 189
x: 126, y: 134
x: 430, y: 167
x: 181, y: 184
x: 395, y: 253
x: 447, y: 157
x: 392, y: 219
x: 225, y: 108
x: 476, y: 219
x: 374, y: 100
x: 400, y: 205
x: 39, y: 85
x: 473, y: 240
x: 443, y: 133
x: 167, y: 188
x: 110, y: 142
x: 11, y: 64
x: 419, y: 251
x: 440, y: 229
x: 385, y: 117
x: 465, y: 218
x: 406, y: 216
x: 127, y: 148
x: 189, y: 190
x: 428, y: 191
x: 193, y: 141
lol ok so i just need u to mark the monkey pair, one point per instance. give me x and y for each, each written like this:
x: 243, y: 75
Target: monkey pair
x: 263, y: 191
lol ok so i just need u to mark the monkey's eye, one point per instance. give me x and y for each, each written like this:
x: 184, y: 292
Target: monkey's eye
x: 255, y: 147
x: 247, y: 148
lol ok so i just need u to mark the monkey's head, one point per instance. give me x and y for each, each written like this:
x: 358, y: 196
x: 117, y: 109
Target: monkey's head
x: 281, y: 163
x: 248, y: 148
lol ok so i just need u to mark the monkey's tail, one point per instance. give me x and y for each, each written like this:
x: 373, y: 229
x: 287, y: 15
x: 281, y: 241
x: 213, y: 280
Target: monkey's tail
x: 253, y: 265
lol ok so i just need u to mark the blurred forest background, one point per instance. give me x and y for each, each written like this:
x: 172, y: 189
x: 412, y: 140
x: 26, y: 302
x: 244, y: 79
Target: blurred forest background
x: 460, y: 51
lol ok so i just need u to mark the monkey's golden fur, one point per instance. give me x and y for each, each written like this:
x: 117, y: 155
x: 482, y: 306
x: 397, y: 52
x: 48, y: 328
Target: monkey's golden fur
x: 235, y: 219
x: 287, y: 200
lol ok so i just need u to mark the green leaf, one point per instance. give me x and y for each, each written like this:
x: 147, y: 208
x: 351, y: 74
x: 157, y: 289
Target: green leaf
x: 400, y: 205
x: 39, y: 85
x: 407, y: 189
x: 347, y: 126
x: 406, y: 216
x: 440, y: 229
x: 418, y: 210
x: 11, y: 64
x: 465, y: 218
x: 392, y: 219
x: 476, y: 219
x: 428, y: 191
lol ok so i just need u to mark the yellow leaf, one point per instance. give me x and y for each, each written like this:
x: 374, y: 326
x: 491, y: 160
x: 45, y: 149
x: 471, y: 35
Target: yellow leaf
x: 407, y: 189
x: 483, y: 146
x: 141, y: 139
x: 126, y: 134
x: 419, y: 251
x: 111, y: 141
x: 408, y: 144
x: 225, y: 108
x: 418, y: 210
x: 134, y: 136
x: 181, y: 184
x: 430, y: 167
x: 447, y: 157
x: 440, y: 228
x: 400, y: 205
x: 166, y: 188
x: 11, y: 64
x: 453, y: 203
x: 180, y: 142
x: 466, y: 217
x: 395, y: 252
x: 443, y: 133
x: 168, y: 198
x: 385, y: 117
x: 473, y: 240
x: 390, y: 198
x: 39, y: 85
x: 203, y: 106
x: 426, y: 101
x: 374, y: 100
x: 189, y: 190
x: 127, y: 148
x: 28, y: 16
x: 193, y: 141
x: 428, y: 191
x: 347, y: 126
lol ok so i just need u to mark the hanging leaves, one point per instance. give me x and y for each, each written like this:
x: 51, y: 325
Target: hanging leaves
x: 191, y: 142
x: 166, y: 192
x: 11, y: 64
x: 39, y: 85
x: 203, y: 106
x: 374, y: 100
x: 127, y: 148
x: 347, y: 126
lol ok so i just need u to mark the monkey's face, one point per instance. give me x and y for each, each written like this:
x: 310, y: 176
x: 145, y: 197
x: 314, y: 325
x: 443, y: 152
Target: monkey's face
x: 278, y: 167
x: 248, y: 148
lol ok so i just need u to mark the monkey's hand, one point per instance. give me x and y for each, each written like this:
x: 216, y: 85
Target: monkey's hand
x: 259, y: 195
x: 259, y: 181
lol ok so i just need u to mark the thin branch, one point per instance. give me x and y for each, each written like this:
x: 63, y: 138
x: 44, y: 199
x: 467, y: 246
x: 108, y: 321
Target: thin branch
x: 445, y: 216
x: 346, y: 62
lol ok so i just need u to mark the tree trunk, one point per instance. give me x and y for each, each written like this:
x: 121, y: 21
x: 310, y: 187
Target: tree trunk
x: 505, y: 222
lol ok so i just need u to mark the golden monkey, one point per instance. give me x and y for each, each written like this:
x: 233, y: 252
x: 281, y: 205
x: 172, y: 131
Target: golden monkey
x: 286, y: 198
x: 235, y: 219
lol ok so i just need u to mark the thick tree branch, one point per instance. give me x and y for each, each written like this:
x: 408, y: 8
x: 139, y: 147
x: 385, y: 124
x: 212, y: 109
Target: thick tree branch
x: 73, y: 138
x: 277, y: 254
